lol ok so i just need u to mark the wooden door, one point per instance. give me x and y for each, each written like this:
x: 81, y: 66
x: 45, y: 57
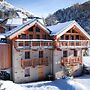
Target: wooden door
x: 41, y: 72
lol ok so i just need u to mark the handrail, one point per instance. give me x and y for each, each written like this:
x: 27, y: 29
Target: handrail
x: 40, y: 40
x: 71, y: 60
x: 73, y: 40
x: 34, y: 62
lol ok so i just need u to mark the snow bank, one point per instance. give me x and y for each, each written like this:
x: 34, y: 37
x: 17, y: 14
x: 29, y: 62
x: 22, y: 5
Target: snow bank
x: 9, y: 85
x: 81, y: 83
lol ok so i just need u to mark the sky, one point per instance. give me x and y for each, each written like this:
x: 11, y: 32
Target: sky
x: 43, y: 8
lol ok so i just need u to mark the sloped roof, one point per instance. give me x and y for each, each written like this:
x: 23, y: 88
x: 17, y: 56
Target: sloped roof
x: 61, y: 28
x: 58, y: 28
x: 14, y: 22
x: 20, y: 27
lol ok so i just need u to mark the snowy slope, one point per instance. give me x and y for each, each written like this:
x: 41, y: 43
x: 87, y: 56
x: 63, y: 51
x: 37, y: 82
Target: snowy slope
x: 80, y: 83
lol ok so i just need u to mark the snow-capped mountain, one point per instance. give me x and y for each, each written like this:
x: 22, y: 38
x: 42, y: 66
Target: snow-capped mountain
x: 9, y: 11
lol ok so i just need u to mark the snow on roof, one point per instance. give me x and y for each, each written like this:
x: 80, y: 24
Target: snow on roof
x: 1, y: 20
x: 2, y: 36
x: 18, y: 28
x: 59, y: 27
x: 14, y: 22
x: 9, y: 33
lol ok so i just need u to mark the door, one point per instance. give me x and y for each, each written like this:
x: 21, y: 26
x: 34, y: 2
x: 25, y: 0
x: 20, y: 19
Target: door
x: 41, y: 72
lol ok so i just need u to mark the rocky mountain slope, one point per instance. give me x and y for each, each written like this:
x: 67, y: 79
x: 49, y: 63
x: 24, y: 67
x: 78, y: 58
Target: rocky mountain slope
x: 78, y: 12
x: 9, y: 11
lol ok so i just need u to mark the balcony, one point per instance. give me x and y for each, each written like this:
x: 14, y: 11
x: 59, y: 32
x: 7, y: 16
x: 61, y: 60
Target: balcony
x: 40, y: 43
x: 71, y: 60
x: 74, y: 44
x: 32, y: 43
x: 34, y: 62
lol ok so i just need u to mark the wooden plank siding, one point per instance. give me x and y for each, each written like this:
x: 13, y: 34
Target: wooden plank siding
x: 5, y: 56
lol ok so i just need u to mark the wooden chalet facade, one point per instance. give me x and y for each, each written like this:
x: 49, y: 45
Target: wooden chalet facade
x: 33, y: 51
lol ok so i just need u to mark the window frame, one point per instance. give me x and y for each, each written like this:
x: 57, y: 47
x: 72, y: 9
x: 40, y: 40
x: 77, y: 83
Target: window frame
x: 30, y: 35
x: 27, y: 72
x: 65, y: 53
x: 27, y: 53
x: 40, y: 54
x: 75, y: 53
x: 23, y: 36
x: 78, y: 37
x: 37, y: 29
x: 37, y: 36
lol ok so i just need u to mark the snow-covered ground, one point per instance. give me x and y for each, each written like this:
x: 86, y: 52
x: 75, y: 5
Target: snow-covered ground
x: 80, y: 83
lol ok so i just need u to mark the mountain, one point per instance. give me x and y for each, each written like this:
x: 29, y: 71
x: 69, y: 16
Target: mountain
x: 9, y: 11
x: 78, y: 12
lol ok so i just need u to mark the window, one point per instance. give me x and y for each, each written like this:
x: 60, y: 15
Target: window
x: 67, y: 37
x: 65, y: 54
x: 75, y: 53
x: 62, y: 37
x: 37, y: 29
x: 77, y: 37
x: 27, y: 55
x: 30, y: 29
x: 40, y: 54
x: 19, y: 36
x: 44, y: 36
x: 73, y: 31
x: 23, y: 36
x: 38, y: 36
x: 30, y: 36
x: 72, y: 37
x: 27, y: 72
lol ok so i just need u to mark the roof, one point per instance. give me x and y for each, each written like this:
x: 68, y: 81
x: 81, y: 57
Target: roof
x: 59, y: 27
x: 1, y: 20
x: 18, y: 28
x: 14, y: 22
x: 27, y: 24
x: 2, y: 36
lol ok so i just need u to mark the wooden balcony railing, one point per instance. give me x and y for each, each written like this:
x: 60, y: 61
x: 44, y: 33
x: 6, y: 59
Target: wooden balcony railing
x: 39, y: 43
x: 34, y: 62
x: 73, y: 43
x: 33, y: 43
x: 71, y: 60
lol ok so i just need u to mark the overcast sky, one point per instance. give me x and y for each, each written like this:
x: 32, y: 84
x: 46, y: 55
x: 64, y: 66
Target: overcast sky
x: 43, y: 7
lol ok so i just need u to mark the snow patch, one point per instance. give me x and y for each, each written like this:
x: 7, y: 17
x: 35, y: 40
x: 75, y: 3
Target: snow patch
x: 80, y: 83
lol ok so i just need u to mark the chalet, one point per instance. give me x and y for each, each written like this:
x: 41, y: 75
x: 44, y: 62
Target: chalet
x: 32, y: 51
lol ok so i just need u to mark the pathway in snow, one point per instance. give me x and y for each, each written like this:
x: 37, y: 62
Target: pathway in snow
x: 84, y: 80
